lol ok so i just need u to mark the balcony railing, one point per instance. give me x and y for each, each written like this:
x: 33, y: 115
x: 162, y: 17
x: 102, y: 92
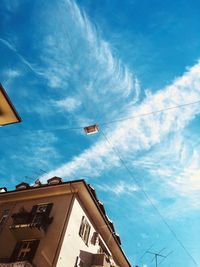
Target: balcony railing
x: 23, y: 226
x: 27, y: 231
x: 16, y: 264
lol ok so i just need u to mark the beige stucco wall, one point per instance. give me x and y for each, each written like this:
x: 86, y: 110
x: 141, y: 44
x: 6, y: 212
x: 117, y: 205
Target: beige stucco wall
x: 73, y: 245
x: 47, y: 248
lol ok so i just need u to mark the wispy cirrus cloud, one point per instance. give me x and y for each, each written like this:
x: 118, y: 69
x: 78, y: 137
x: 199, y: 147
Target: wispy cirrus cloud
x: 78, y: 62
x: 188, y: 179
x: 121, y: 187
x: 12, y: 73
x: 82, y: 62
x: 37, y: 152
x: 30, y: 66
x: 173, y: 174
x: 69, y: 104
x: 142, y: 133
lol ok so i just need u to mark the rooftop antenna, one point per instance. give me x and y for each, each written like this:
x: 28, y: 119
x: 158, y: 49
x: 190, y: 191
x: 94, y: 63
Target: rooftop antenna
x: 145, y: 252
x: 157, y: 255
x: 42, y: 171
x: 166, y: 257
x: 28, y: 178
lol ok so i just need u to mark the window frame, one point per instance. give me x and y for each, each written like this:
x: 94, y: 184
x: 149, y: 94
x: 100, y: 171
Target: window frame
x: 25, y: 250
x: 84, y: 230
x: 40, y: 214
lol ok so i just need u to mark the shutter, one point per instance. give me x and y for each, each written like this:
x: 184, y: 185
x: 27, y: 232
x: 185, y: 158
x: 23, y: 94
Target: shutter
x: 45, y: 216
x: 33, y: 212
x: 88, y: 234
x: 34, y: 208
x: 48, y: 209
x: 33, y: 246
x: 15, y: 252
x: 81, y: 230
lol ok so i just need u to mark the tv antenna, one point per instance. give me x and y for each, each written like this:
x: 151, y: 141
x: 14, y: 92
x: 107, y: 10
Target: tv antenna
x: 157, y: 255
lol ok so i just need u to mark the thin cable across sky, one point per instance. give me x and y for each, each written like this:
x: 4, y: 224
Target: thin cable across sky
x: 63, y: 128
x: 123, y: 163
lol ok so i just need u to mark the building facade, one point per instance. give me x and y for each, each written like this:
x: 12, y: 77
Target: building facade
x: 60, y: 224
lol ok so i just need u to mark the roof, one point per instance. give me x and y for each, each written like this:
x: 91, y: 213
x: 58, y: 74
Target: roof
x: 8, y: 113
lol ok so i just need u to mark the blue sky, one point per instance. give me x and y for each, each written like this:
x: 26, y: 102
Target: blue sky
x: 67, y: 64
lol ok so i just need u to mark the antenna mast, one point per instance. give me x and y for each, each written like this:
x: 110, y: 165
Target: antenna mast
x: 156, y: 255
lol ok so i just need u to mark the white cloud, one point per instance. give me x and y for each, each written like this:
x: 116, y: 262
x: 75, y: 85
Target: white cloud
x: 38, y: 152
x: 188, y: 180
x: 55, y: 81
x: 81, y: 59
x: 174, y: 168
x: 12, y: 73
x: 69, y: 104
x: 119, y: 188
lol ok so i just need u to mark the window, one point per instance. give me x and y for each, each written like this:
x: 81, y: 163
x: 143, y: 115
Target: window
x: 4, y: 217
x: 42, y: 209
x: 40, y: 214
x: 84, y: 231
x: 25, y: 250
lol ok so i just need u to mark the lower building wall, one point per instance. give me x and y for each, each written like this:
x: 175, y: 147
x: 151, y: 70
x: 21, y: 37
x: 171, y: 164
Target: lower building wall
x: 47, y: 248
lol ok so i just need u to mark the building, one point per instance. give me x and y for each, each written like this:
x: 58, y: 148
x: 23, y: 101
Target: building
x: 8, y: 113
x: 59, y: 224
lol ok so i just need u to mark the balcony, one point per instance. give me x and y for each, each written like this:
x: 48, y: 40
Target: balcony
x: 28, y: 226
x: 27, y: 231
x: 15, y: 264
x: 101, y: 260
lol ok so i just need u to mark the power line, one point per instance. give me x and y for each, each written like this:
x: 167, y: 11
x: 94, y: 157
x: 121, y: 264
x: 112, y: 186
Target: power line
x: 104, y: 123
x: 149, y: 199
x: 33, y: 131
x: 152, y: 112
